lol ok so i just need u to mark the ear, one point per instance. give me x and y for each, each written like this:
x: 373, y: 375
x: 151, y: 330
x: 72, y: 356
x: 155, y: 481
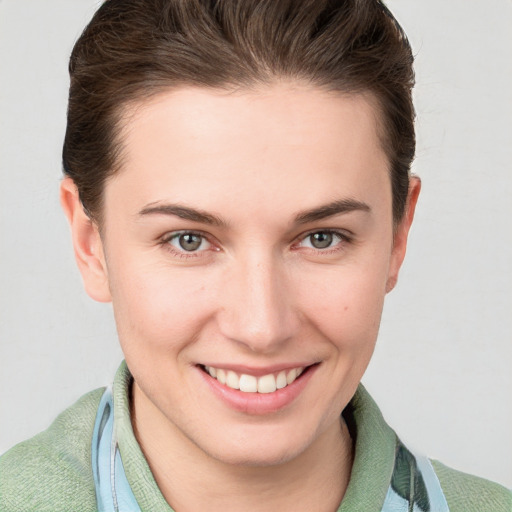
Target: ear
x: 87, y: 243
x: 402, y: 233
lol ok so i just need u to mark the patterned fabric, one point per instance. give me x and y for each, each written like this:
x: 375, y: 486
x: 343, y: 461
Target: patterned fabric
x: 113, y: 492
x: 414, y: 484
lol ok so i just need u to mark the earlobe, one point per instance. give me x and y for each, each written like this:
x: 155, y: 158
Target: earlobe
x: 402, y: 233
x: 87, y: 243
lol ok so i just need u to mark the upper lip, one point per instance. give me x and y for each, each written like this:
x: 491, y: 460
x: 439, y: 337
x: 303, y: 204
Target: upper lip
x: 258, y: 371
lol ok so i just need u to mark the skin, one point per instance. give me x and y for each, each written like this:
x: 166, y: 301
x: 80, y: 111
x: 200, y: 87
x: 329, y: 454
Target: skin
x: 256, y: 294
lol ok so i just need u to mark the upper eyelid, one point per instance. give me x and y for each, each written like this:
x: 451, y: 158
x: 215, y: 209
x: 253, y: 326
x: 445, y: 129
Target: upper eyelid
x: 346, y: 239
x: 343, y: 233
x: 172, y: 234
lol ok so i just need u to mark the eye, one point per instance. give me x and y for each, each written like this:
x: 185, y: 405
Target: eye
x: 188, y: 241
x: 322, y: 240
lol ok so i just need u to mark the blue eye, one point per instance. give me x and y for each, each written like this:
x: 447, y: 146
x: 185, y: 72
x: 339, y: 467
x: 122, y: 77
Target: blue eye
x: 188, y: 241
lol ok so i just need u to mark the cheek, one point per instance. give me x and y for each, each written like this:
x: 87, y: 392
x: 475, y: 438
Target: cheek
x: 160, y: 308
x: 346, y: 304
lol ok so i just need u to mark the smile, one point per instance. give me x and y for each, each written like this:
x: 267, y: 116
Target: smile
x: 250, y: 384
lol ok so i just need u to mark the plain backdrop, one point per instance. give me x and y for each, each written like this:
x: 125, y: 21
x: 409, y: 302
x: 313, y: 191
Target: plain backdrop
x: 442, y: 371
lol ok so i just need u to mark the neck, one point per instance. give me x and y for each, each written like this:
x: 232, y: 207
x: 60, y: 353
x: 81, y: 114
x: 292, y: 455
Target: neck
x: 191, y: 480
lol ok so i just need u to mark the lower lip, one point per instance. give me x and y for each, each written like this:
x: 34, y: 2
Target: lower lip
x: 259, y: 403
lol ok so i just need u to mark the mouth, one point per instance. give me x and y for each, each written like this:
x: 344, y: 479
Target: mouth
x: 263, y: 384
x: 258, y: 392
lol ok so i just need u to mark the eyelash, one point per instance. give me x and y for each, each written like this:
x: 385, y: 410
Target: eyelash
x: 344, y: 239
x: 183, y: 253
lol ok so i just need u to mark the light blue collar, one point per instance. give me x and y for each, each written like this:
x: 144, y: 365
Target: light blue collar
x: 113, y: 492
x: 414, y: 485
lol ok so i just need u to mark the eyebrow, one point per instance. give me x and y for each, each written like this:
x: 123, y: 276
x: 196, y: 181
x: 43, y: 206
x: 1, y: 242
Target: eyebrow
x: 329, y: 210
x: 184, y: 212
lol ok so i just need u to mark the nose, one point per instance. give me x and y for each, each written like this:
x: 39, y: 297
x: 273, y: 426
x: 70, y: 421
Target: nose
x: 257, y: 305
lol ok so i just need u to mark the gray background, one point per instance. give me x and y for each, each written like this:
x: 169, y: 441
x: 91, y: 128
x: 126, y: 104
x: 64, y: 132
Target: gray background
x: 442, y: 369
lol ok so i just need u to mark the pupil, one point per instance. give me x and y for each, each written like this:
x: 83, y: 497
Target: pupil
x: 190, y: 242
x: 321, y: 240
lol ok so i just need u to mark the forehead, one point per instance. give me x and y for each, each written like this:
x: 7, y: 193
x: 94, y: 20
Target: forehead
x: 285, y: 143
x: 285, y: 113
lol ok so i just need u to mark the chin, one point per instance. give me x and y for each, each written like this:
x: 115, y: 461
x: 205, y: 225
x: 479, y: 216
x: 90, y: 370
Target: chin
x: 259, y: 449
x: 258, y: 456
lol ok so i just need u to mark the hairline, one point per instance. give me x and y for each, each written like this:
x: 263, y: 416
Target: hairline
x: 142, y: 97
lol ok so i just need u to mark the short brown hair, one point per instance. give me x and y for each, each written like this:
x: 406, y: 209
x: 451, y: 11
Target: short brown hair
x: 133, y: 49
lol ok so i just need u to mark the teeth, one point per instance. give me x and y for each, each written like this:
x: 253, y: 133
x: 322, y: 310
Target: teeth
x: 221, y: 376
x: 232, y: 380
x: 267, y: 384
x: 291, y: 376
x: 251, y: 384
x: 281, y: 380
x: 248, y: 383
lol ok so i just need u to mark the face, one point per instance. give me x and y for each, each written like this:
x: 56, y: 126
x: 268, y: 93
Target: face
x: 248, y: 243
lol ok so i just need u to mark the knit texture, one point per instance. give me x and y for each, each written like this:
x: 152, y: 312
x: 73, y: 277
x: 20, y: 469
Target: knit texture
x: 52, y: 471
x: 467, y: 492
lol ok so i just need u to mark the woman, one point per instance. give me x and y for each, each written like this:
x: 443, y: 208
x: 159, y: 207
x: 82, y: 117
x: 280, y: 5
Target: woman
x: 237, y: 185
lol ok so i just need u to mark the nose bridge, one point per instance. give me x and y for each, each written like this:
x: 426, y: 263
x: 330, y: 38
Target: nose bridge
x: 257, y: 309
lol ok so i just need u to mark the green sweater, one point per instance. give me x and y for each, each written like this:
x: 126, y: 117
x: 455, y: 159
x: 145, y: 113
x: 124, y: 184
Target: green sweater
x: 52, y: 471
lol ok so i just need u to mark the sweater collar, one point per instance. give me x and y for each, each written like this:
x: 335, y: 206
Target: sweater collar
x: 375, y: 445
